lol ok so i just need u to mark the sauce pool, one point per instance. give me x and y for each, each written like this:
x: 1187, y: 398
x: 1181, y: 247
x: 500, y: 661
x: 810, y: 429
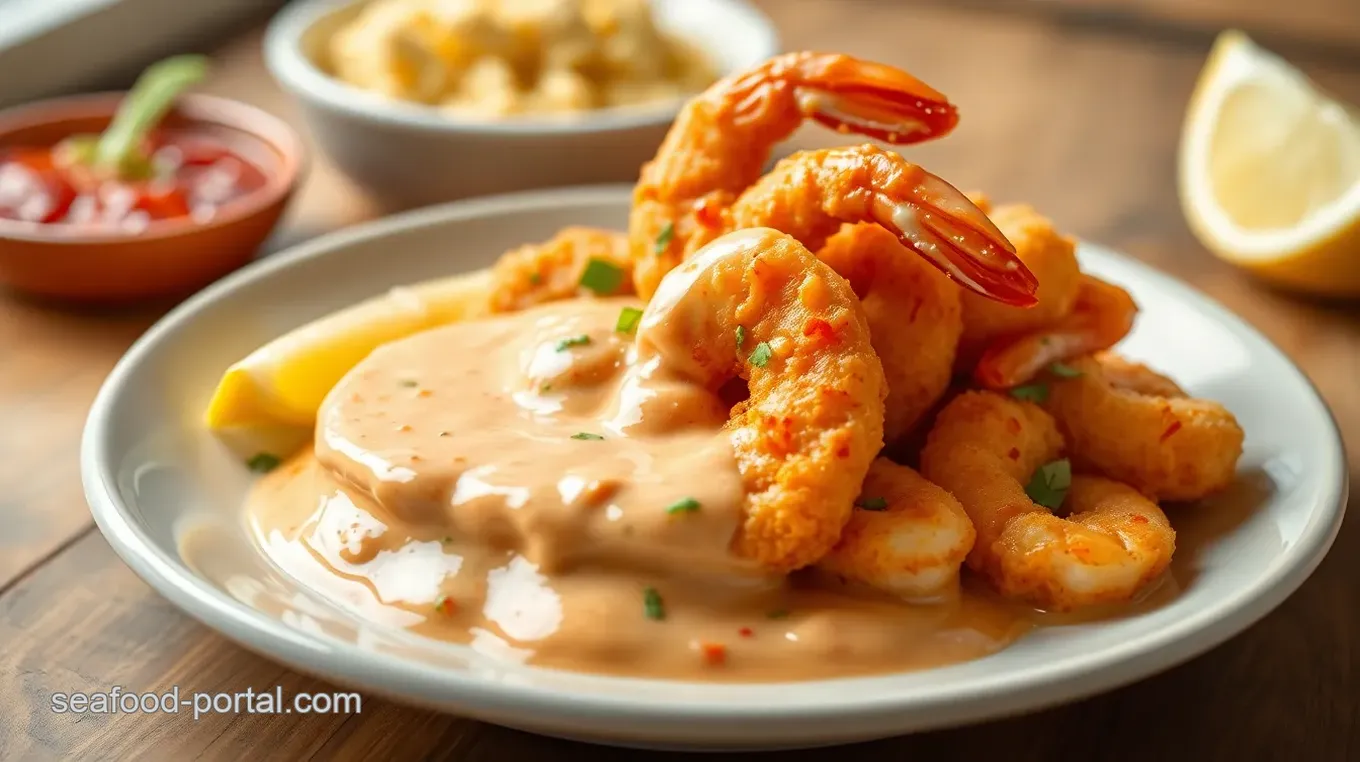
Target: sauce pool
x: 193, y: 175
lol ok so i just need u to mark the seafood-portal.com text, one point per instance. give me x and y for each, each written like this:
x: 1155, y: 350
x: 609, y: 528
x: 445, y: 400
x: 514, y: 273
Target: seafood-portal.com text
x: 249, y: 701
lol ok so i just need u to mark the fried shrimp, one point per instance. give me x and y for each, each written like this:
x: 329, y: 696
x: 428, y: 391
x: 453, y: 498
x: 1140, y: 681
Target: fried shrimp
x: 914, y: 318
x: 543, y: 272
x: 1130, y: 423
x: 809, y: 194
x: 1102, y: 316
x: 722, y: 138
x: 1111, y: 543
x: 907, y: 536
x: 1050, y: 255
x: 756, y: 305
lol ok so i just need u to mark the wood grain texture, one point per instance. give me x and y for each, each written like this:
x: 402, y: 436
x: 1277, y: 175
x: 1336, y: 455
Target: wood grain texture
x: 1334, y: 24
x: 1080, y: 121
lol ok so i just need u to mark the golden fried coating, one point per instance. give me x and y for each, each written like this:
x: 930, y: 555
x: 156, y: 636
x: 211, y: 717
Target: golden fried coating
x: 914, y: 313
x: 756, y: 305
x: 1050, y: 255
x: 907, y: 536
x: 1126, y: 421
x: 544, y: 272
x: 985, y: 448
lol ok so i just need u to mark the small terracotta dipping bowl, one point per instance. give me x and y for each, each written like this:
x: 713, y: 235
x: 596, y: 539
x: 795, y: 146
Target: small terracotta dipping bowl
x: 172, y: 257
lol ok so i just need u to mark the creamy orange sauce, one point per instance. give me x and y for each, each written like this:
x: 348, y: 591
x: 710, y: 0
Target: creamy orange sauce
x: 526, y: 486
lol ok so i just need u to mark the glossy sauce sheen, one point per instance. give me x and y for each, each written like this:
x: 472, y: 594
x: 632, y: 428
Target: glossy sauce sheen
x: 458, y: 480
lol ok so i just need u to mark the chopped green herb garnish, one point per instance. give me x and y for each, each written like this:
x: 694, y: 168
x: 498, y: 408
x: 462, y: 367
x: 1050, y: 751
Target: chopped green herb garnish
x: 120, y: 150
x: 872, y: 503
x: 604, y: 278
x: 778, y: 614
x: 628, y: 319
x: 409, y: 383
x: 1063, y: 370
x: 586, y: 435
x: 448, y: 538
x: 263, y: 462
x: 574, y: 341
x: 761, y: 354
x: 1036, y: 393
x: 544, y: 389
x: 535, y: 279
x: 663, y: 239
x: 1049, y: 484
x: 686, y: 505
x: 741, y: 336
x: 652, y: 605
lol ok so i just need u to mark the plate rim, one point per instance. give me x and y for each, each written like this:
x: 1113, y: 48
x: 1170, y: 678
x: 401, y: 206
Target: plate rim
x: 951, y: 703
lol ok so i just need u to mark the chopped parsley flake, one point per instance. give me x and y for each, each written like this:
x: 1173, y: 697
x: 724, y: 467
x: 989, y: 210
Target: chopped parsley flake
x: 628, y: 320
x: 872, y: 503
x: 535, y: 279
x: 761, y: 354
x: 263, y: 462
x: 1049, y: 484
x: 586, y: 435
x: 663, y: 239
x: 409, y: 383
x: 1063, y: 370
x: 1036, y: 393
x: 652, y: 605
x: 686, y: 505
x: 778, y: 614
x: 741, y: 336
x: 602, y: 277
x: 574, y: 341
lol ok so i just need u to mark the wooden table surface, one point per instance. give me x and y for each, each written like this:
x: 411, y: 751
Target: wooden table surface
x: 1072, y: 105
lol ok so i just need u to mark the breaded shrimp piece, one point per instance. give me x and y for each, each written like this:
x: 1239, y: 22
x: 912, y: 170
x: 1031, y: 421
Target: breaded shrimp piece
x: 811, y: 193
x: 722, y: 138
x: 1112, y: 542
x: 543, y: 272
x: 1126, y: 421
x: 1102, y: 316
x: 756, y: 305
x: 906, y: 537
x: 914, y: 313
x: 1050, y: 255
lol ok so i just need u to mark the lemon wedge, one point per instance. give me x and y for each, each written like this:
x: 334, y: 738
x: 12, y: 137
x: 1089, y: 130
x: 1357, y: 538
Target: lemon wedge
x: 282, y: 383
x: 1270, y: 171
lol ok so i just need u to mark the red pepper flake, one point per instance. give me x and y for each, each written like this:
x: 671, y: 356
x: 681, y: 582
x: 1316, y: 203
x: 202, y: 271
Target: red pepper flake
x: 1014, y: 453
x: 424, y: 393
x: 778, y: 435
x: 415, y: 459
x: 404, y: 427
x: 707, y: 213
x: 1172, y: 429
x: 1014, y: 425
x: 1139, y: 518
x: 445, y: 605
x: 746, y: 632
x: 843, y: 451
x: 824, y: 332
x: 714, y: 653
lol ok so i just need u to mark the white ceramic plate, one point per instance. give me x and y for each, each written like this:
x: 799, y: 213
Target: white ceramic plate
x: 157, y: 481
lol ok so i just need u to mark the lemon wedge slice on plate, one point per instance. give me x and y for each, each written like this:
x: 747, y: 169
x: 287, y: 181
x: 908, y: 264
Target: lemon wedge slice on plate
x: 283, y: 382
x: 1270, y: 170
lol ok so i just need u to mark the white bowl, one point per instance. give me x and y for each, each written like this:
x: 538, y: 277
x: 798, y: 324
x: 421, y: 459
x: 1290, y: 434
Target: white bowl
x: 410, y: 154
x: 157, y: 481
